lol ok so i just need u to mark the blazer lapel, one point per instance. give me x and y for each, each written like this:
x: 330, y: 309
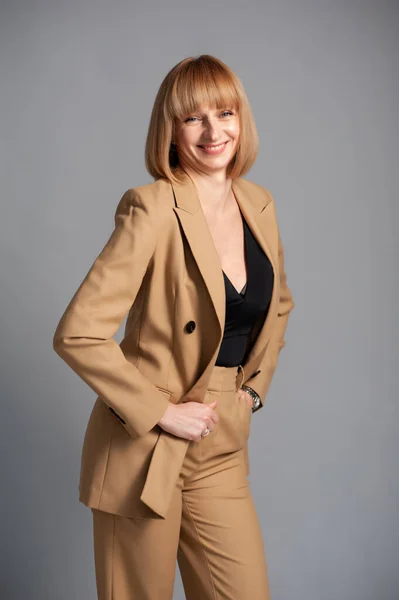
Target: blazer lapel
x: 196, y: 230
x: 253, y: 205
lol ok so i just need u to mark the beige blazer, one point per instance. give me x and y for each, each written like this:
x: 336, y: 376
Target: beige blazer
x: 159, y: 268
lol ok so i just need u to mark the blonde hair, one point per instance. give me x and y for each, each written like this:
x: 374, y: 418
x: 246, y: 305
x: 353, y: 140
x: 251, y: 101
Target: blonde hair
x: 188, y: 84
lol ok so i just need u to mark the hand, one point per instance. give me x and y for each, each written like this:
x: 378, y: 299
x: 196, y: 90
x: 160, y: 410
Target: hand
x: 243, y: 395
x: 188, y: 420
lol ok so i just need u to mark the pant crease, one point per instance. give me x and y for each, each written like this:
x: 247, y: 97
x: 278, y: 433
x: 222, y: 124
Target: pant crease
x: 202, y: 546
x: 112, y: 557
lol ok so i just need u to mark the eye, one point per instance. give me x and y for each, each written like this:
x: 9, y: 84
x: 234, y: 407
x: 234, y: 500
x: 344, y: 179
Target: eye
x: 189, y: 119
x: 228, y: 112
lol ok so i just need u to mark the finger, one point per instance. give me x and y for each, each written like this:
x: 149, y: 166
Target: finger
x: 215, y: 417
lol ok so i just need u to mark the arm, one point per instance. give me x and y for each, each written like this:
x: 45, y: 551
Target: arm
x: 260, y: 382
x: 84, y: 335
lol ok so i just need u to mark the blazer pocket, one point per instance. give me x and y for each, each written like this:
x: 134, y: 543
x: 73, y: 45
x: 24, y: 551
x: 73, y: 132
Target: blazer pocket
x: 164, y: 390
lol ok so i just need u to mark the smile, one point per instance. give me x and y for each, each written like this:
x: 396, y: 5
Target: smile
x: 214, y: 149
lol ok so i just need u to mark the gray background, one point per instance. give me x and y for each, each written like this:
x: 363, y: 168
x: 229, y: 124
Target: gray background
x: 78, y: 82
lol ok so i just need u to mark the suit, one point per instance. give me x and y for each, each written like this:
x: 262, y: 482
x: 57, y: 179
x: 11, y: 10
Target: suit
x: 159, y: 268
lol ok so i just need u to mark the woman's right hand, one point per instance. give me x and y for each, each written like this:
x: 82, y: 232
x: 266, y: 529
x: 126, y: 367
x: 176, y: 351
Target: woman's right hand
x: 189, y: 420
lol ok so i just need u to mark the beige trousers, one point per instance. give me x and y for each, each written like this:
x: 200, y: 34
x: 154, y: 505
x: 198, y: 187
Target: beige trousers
x: 211, y: 528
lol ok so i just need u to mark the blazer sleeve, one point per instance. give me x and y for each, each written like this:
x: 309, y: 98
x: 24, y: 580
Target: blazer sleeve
x: 84, y: 335
x: 260, y: 382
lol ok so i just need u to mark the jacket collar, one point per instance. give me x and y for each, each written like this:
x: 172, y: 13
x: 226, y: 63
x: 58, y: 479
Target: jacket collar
x: 187, y: 199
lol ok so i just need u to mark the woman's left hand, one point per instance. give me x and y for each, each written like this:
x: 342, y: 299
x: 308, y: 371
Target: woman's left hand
x: 244, y: 396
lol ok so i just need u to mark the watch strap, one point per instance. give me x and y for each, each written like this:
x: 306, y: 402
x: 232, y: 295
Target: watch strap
x: 255, y: 397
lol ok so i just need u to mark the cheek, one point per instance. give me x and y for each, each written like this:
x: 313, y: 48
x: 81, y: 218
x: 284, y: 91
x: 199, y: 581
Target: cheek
x: 187, y: 139
x: 233, y: 129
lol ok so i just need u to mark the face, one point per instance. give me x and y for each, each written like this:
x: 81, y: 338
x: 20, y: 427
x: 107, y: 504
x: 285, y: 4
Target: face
x: 207, y: 139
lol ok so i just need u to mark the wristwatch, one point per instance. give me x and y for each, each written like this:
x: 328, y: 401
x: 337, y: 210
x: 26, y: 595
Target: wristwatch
x: 255, y: 397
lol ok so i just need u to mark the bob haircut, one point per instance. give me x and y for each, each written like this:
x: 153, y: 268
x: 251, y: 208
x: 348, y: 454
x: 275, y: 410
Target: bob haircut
x: 188, y: 84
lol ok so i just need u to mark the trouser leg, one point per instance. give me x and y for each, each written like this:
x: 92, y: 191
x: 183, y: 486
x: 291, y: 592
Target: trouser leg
x: 135, y: 559
x: 221, y: 553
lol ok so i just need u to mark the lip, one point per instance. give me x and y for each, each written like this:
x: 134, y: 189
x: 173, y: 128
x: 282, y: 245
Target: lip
x: 210, y: 149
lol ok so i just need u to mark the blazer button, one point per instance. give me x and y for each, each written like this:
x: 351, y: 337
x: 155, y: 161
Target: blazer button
x: 190, y: 326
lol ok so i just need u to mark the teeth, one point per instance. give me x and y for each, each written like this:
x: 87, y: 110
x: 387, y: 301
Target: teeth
x: 214, y: 147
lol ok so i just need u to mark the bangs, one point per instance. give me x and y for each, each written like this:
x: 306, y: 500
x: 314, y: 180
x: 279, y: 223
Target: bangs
x: 202, y: 83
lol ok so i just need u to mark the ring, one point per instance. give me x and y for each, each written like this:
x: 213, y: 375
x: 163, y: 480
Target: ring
x: 206, y: 432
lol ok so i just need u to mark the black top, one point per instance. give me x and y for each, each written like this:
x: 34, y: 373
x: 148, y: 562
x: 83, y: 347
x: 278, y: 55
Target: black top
x: 243, y: 309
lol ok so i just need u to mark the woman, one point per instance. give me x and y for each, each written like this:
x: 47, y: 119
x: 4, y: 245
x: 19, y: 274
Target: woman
x: 196, y: 264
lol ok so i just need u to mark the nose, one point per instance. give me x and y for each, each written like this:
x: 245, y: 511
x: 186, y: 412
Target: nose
x: 211, y: 130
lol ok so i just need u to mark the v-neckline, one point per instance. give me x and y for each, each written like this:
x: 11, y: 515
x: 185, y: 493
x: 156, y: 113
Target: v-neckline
x: 242, y: 293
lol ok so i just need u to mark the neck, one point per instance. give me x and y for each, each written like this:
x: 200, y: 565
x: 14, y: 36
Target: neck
x: 214, y: 190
